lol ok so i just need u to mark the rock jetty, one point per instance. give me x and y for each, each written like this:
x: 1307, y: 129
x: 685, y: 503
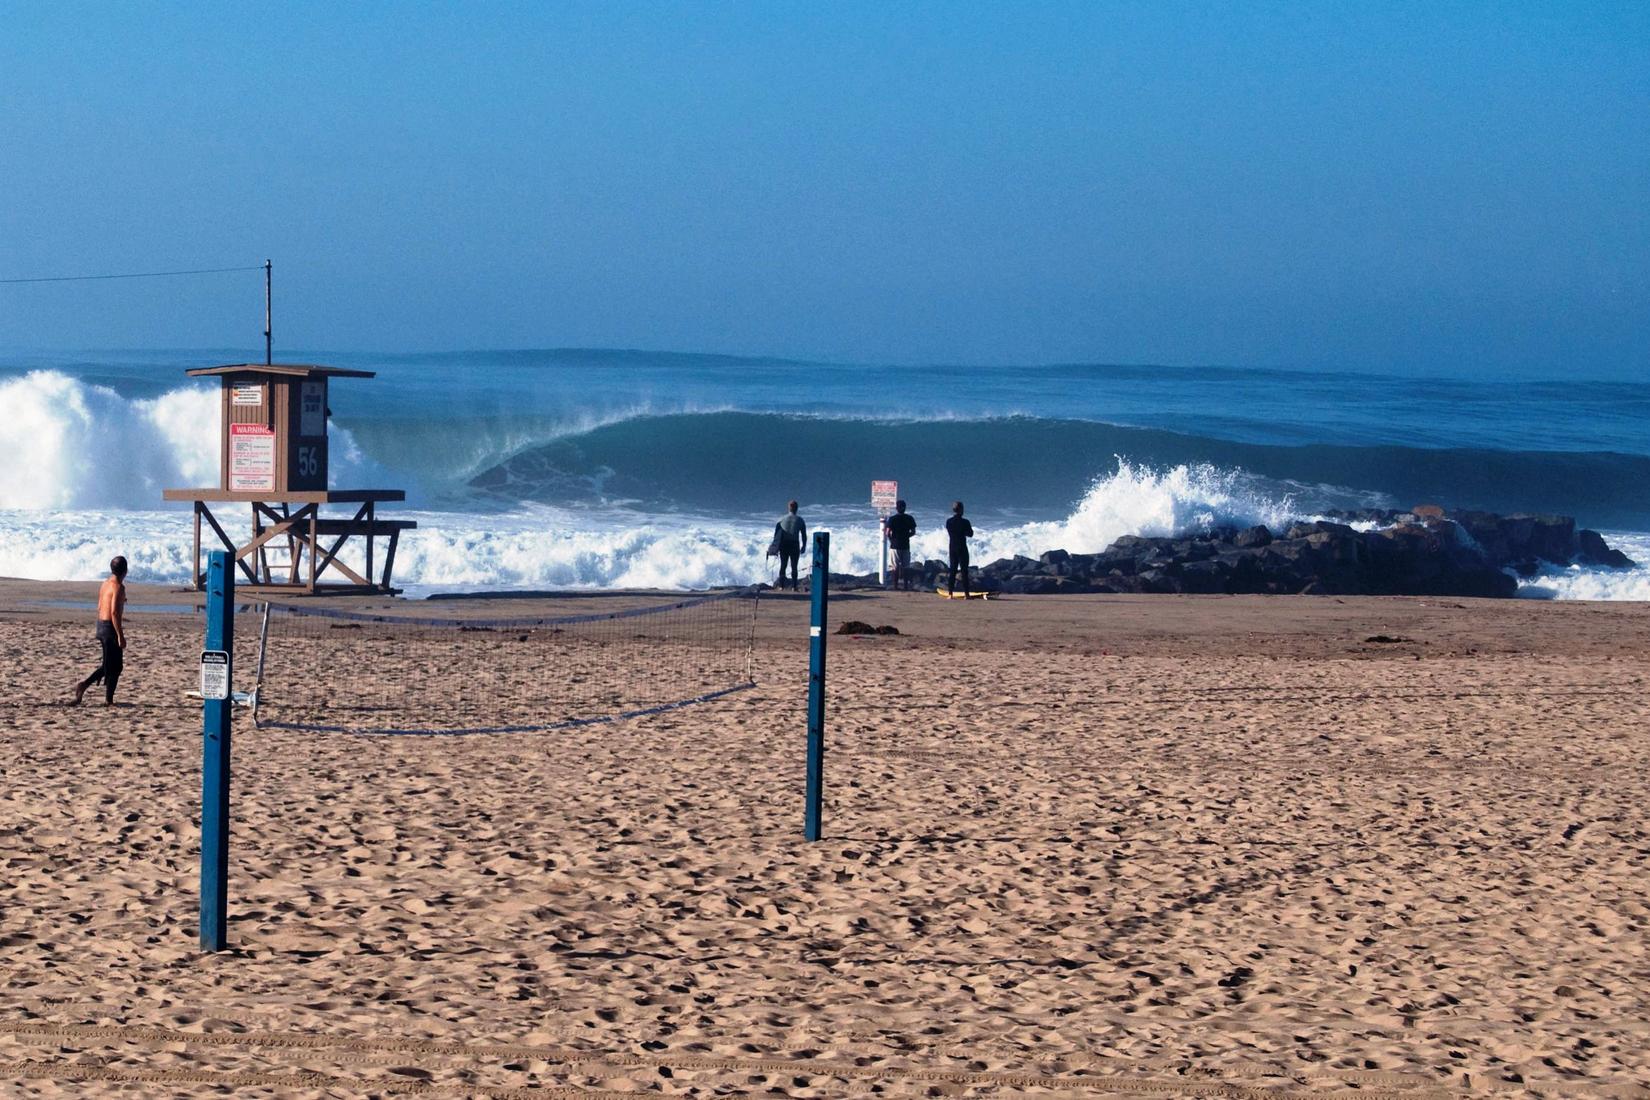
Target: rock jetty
x: 1372, y: 552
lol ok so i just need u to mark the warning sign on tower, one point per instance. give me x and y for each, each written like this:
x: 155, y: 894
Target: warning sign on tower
x: 251, y: 458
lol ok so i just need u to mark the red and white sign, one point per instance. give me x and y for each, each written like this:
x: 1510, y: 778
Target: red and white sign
x: 883, y: 496
x: 251, y: 458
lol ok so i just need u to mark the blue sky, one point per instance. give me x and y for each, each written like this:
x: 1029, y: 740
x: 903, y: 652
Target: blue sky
x: 1433, y: 188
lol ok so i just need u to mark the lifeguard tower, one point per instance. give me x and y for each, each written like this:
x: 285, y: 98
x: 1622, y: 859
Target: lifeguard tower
x: 274, y: 457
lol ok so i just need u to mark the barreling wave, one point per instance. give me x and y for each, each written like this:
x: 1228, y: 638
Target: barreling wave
x: 744, y: 461
x: 629, y: 469
x: 75, y: 444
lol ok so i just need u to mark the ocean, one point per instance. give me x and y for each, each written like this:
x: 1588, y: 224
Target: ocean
x: 592, y: 469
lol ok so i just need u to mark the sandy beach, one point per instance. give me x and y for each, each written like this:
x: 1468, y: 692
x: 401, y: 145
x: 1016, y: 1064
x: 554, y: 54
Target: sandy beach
x: 1089, y: 845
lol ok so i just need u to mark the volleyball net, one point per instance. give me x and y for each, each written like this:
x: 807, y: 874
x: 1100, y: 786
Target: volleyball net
x: 382, y: 673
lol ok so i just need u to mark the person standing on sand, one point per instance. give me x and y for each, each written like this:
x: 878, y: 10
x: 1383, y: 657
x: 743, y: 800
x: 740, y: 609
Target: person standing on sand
x: 788, y: 535
x: 960, y: 531
x: 900, y: 528
x: 111, y: 633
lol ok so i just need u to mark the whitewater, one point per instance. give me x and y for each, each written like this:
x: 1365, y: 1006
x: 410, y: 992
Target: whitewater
x: 604, y: 469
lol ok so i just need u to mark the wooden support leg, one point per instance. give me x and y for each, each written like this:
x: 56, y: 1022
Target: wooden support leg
x: 389, y: 558
x: 261, y: 566
x: 370, y: 540
x: 285, y: 524
x: 294, y: 549
x: 228, y: 544
x: 329, y: 560
x: 195, y: 560
x: 314, y: 549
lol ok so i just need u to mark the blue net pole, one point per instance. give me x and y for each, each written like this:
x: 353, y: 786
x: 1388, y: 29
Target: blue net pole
x: 215, y: 746
x: 819, y: 587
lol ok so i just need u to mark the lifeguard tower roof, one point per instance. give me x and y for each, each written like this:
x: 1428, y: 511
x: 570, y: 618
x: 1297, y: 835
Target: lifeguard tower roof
x: 299, y: 370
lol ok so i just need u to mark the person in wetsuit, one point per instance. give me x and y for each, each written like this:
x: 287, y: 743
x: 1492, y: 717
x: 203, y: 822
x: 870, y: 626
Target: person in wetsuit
x: 900, y: 528
x: 111, y: 634
x: 960, y: 531
x: 788, y: 535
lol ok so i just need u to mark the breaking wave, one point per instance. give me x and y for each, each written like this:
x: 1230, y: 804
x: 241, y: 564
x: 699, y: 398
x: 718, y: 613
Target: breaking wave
x: 632, y: 497
x: 741, y: 461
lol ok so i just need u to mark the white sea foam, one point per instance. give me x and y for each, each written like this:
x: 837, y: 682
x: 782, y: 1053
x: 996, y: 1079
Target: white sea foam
x: 73, y: 445
x: 546, y: 547
x: 549, y: 548
x: 555, y: 548
x: 77, y: 545
x: 1139, y: 500
x: 1580, y: 582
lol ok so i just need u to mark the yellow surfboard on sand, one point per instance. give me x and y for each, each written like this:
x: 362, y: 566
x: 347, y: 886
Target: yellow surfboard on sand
x: 944, y: 595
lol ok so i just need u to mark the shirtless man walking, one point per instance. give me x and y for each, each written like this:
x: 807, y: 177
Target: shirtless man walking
x: 111, y: 633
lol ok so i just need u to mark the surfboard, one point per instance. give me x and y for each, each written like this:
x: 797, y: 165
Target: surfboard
x: 944, y: 595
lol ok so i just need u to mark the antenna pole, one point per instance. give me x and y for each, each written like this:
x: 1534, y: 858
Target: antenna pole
x: 269, y: 347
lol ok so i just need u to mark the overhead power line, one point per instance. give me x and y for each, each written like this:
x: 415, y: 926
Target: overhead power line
x: 132, y: 275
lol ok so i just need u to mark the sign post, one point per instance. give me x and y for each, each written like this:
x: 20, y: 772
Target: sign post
x: 884, y: 494
x: 819, y: 585
x: 216, y: 672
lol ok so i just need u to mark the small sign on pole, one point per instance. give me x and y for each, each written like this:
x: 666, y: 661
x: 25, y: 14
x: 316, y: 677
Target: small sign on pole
x: 214, y: 674
x: 884, y: 494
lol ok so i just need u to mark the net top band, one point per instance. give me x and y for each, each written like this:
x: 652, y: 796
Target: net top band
x: 511, y: 623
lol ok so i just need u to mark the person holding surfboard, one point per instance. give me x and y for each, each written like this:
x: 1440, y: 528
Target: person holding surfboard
x: 788, y: 536
x: 960, y: 531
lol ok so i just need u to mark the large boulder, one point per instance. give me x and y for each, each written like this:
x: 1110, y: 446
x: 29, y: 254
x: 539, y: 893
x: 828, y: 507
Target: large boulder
x: 1208, y: 576
x: 1317, y: 527
x: 1160, y: 581
x: 1008, y: 567
x: 1243, y: 571
x: 1592, y: 550
x: 1114, y: 560
x: 1424, y: 552
x: 1195, y: 549
x: 1038, y: 584
x: 1431, y: 559
x: 1505, y: 540
x: 1134, y: 545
